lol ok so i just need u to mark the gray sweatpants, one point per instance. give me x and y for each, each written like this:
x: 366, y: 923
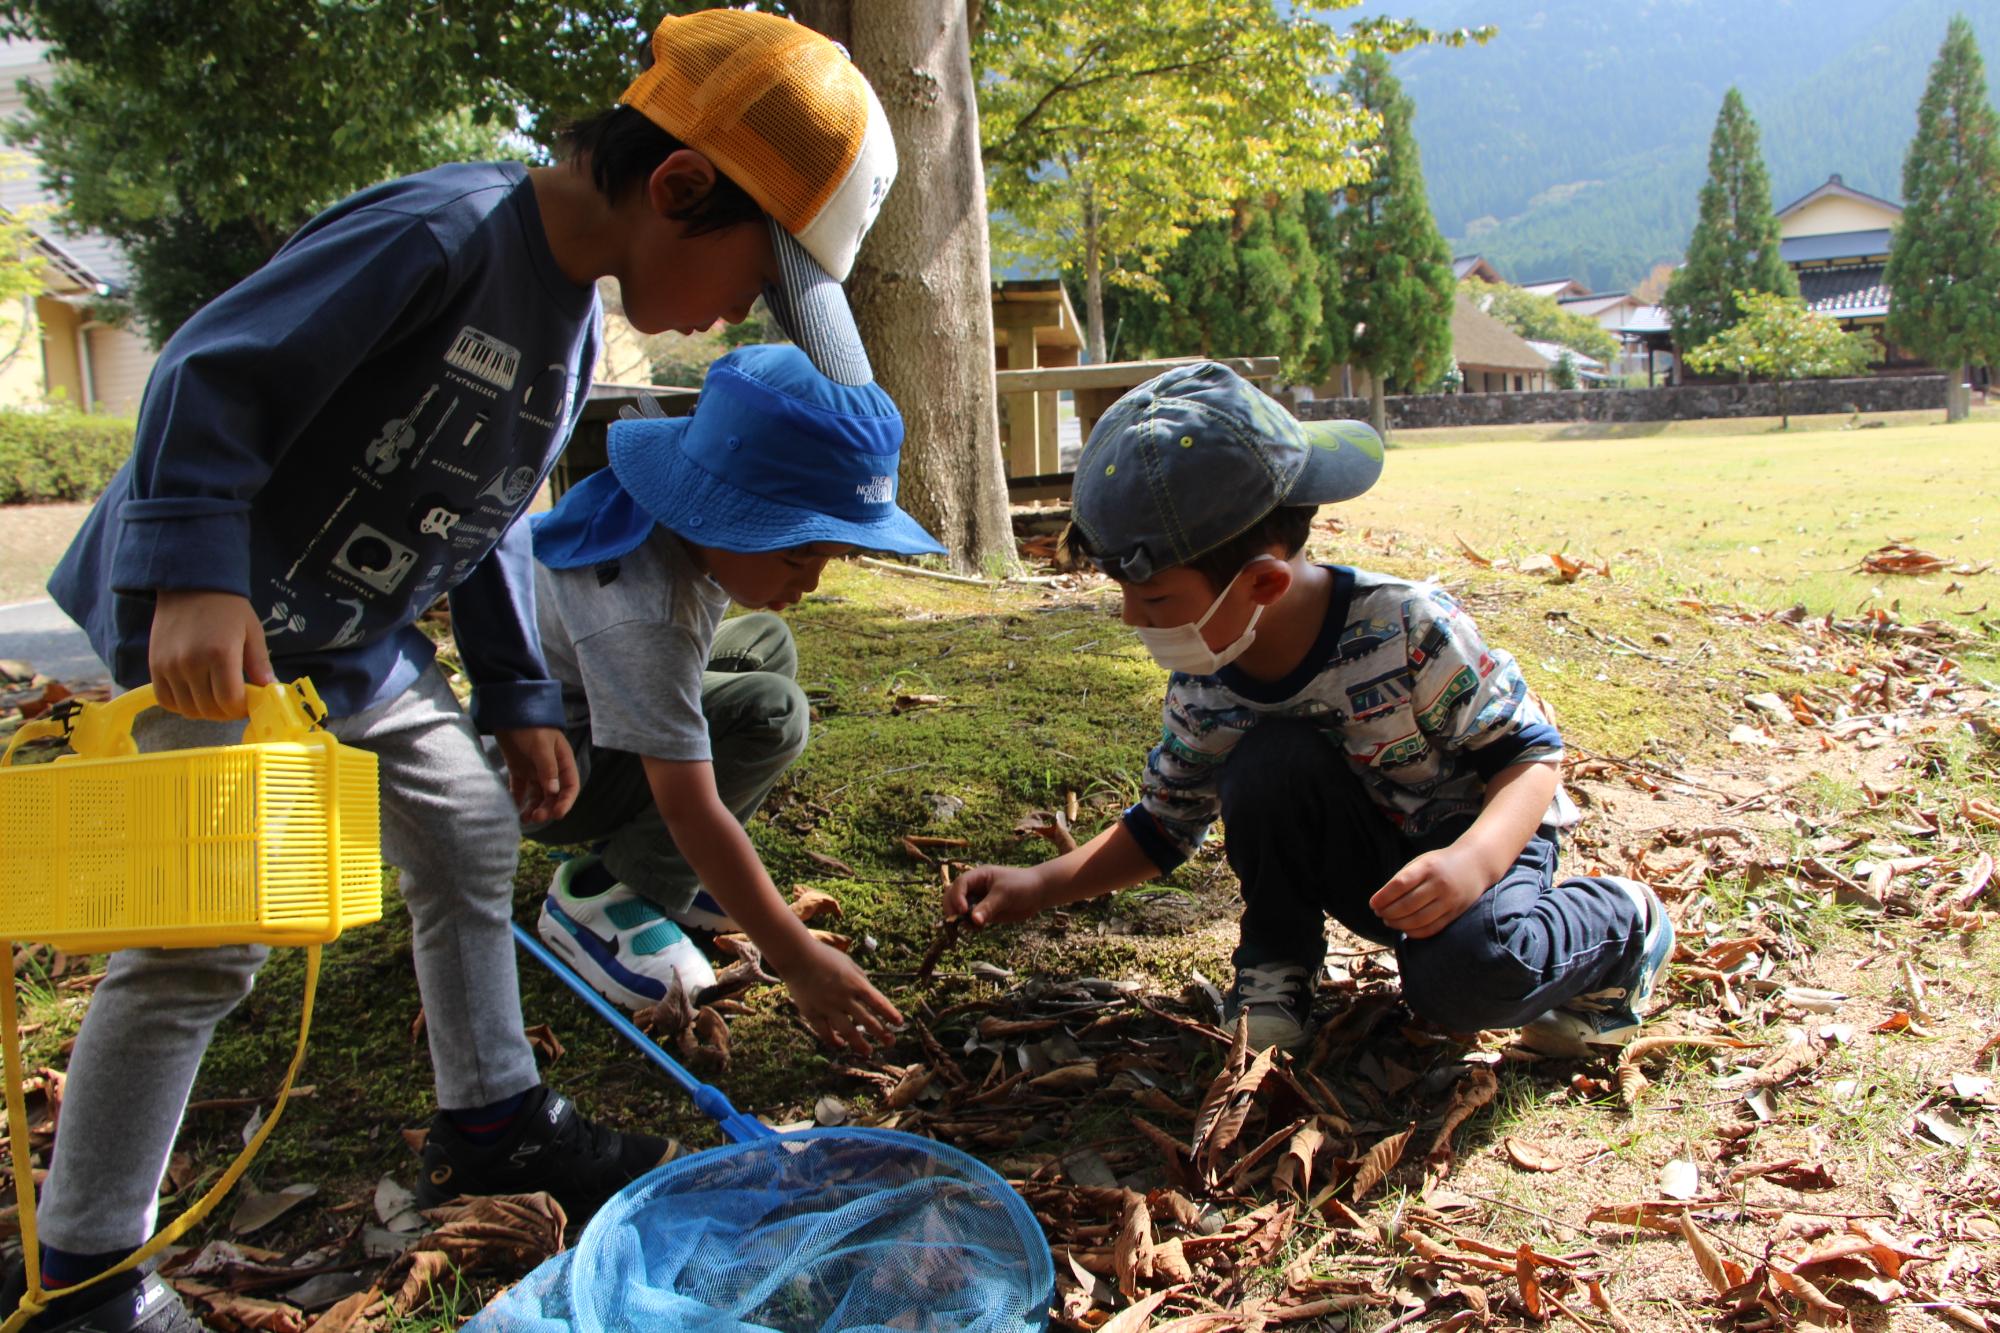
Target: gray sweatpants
x: 758, y: 718
x: 450, y: 827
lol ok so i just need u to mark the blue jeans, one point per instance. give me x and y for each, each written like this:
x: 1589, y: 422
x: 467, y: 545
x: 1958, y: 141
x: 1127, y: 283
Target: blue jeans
x: 1306, y: 842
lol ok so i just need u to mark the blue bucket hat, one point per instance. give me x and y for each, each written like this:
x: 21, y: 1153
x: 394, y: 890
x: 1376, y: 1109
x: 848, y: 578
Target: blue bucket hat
x: 776, y: 455
x: 1197, y: 456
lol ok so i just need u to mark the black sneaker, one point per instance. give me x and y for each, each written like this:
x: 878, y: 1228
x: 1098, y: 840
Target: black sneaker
x: 1278, y: 999
x: 552, y: 1147
x: 146, y: 1306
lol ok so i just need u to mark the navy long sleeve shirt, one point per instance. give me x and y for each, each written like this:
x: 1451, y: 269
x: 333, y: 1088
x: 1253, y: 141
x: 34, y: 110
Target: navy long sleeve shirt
x: 351, y: 431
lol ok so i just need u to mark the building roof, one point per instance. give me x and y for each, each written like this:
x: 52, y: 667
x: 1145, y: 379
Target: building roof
x: 1553, y: 352
x: 1835, y: 245
x: 1476, y: 266
x: 1647, y: 319
x: 1845, y: 291
x: 1556, y: 287
x: 1480, y: 341
x: 89, y: 257
x: 1595, y: 305
x: 1835, y: 187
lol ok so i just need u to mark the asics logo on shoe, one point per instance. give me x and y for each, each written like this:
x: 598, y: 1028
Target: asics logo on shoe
x: 557, y: 1104
x: 440, y: 1175
x: 522, y: 1152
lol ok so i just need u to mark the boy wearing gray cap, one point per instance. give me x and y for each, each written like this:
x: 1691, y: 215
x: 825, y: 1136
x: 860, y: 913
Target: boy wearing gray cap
x: 1373, y: 759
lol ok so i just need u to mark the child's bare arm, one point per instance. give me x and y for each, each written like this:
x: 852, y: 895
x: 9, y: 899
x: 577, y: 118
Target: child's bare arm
x: 1434, y: 889
x: 990, y: 895
x: 832, y: 992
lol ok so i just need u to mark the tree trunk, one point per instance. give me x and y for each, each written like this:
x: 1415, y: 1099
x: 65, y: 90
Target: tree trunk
x: 1093, y: 282
x: 921, y: 287
x: 1378, y: 405
x: 1957, y: 395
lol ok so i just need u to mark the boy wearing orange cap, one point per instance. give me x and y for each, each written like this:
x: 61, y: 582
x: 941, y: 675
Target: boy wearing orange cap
x: 348, y: 434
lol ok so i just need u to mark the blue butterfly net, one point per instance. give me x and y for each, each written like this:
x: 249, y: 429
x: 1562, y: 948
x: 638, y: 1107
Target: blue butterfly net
x: 827, y: 1230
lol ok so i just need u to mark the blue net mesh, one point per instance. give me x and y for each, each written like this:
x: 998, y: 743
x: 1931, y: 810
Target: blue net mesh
x: 830, y: 1230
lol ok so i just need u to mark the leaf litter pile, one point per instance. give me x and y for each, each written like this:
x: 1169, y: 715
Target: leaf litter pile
x: 1376, y: 1181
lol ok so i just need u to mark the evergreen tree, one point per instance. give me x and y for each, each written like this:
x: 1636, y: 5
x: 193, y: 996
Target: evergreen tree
x: 1388, y: 308
x: 1734, y: 248
x: 1247, y: 286
x: 1944, y: 261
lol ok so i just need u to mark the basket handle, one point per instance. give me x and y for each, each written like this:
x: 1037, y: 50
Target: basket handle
x: 285, y: 712
x: 35, y: 1299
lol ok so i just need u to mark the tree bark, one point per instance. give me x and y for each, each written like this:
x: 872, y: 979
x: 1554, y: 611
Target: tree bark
x: 921, y: 287
x: 1378, y: 405
x: 1957, y: 395
x: 1093, y: 282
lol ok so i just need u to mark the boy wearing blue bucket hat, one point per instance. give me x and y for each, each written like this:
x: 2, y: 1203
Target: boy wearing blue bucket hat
x: 682, y: 722
x: 1371, y: 757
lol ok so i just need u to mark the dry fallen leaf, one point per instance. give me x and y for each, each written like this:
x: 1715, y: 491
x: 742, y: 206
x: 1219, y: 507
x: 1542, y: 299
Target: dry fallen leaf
x: 1380, y: 1161
x: 1531, y: 1156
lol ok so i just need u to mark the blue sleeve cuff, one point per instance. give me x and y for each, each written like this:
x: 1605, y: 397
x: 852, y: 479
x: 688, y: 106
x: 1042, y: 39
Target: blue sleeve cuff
x: 181, y: 550
x: 1158, y: 847
x: 507, y: 704
x: 1488, y: 760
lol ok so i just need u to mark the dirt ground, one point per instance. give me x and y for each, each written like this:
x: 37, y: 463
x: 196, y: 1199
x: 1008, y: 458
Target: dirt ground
x: 32, y: 539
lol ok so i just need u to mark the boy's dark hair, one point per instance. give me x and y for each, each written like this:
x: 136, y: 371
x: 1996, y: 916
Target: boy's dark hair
x: 1287, y: 526
x: 624, y: 148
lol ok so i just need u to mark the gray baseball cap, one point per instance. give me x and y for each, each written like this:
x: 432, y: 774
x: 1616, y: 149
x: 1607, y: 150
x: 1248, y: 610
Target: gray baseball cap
x: 1197, y: 456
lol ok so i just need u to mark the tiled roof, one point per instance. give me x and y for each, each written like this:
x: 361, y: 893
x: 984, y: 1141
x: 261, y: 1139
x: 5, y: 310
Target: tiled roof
x: 1834, y: 245
x: 1848, y: 291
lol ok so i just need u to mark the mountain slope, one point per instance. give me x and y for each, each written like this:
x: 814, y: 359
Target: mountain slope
x: 1575, y: 142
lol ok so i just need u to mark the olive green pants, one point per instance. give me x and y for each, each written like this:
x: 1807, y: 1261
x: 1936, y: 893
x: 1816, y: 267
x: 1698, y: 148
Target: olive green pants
x: 757, y: 724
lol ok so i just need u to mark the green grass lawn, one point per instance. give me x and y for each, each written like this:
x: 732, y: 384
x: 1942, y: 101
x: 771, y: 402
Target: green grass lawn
x: 1752, y: 516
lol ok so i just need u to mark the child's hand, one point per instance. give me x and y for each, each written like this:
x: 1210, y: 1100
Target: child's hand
x: 994, y: 895
x: 1430, y: 893
x: 203, y: 646
x: 839, y: 1004
x: 541, y: 772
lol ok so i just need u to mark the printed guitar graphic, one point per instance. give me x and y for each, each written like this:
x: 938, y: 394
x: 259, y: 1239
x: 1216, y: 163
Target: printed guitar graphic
x: 385, y: 454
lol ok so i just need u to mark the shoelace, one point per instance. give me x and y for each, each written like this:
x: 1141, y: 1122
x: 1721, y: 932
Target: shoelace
x: 1268, y: 985
x: 1596, y: 1001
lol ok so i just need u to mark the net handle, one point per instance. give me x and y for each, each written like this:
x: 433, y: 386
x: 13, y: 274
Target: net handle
x: 739, y: 1126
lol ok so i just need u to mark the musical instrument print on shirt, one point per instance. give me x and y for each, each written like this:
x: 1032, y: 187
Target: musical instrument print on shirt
x: 385, y: 453
x: 484, y: 357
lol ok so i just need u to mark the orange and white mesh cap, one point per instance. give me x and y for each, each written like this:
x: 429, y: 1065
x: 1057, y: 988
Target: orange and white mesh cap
x: 782, y: 111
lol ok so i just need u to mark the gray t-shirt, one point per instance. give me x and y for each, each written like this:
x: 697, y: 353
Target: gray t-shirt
x: 629, y: 640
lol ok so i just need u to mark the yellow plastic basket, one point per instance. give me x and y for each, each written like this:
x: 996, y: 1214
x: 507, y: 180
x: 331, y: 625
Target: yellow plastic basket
x: 273, y: 841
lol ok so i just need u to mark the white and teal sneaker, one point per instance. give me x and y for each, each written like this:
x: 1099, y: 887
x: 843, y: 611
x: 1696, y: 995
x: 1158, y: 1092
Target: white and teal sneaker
x: 619, y: 942
x: 1611, y: 1017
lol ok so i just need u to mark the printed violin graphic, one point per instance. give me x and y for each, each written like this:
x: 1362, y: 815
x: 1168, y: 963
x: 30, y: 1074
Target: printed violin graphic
x: 385, y: 454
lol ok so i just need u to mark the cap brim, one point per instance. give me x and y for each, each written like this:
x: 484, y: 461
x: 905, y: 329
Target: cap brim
x: 1344, y: 461
x: 812, y: 310
x: 686, y: 498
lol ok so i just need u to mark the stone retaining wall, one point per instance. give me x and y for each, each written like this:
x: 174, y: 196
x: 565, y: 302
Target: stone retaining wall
x: 1893, y: 393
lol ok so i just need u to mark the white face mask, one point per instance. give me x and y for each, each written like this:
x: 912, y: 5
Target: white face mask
x: 1181, y: 647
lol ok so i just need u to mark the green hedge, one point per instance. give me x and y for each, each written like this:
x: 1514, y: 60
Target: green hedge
x: 59, y: 454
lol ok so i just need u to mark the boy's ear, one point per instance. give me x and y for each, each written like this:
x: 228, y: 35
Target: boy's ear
x: 681, y: 181
x: 1269, y: 578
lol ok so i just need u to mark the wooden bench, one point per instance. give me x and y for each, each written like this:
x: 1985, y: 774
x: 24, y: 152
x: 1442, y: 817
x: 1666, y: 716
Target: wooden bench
x: 1096, y: 388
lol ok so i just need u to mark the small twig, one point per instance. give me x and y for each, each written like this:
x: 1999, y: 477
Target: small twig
x: 1515, y: 1207
x: 874, y: 777
x: 946, y: 937
x: 913, y: 571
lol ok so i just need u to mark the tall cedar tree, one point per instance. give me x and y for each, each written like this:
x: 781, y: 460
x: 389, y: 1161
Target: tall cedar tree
x: 1735, y: 243
x: 1245, y: 286
x: 1390, y: 283
x: 1944, y: 261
